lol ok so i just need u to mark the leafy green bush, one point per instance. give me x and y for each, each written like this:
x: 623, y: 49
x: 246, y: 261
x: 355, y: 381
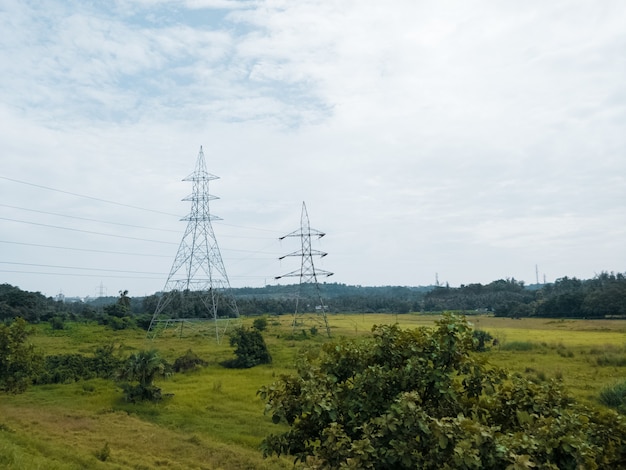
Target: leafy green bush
x: 67, y: 368
x: 422, y: 399
x: 250, y: 349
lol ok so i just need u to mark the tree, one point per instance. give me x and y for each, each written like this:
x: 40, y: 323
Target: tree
x: 250, y: 349
x: 121, y: 308
x: 16, y: 303
x: 19, y: 362
x: 422, y: 399
x: 143, y: 367
x: 117, y: 315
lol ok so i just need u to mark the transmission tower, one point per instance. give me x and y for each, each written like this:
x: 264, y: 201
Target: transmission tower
x: 307, y: 272
x: 197, y: 281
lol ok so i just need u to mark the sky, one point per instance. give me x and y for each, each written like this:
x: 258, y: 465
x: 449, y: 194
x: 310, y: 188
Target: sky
x: 458, y: 141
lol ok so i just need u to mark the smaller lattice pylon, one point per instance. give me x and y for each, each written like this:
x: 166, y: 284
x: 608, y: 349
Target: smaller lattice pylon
x: 307, y: 272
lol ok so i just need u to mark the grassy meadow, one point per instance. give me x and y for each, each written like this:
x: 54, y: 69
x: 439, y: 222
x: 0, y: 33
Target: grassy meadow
x: 214, y: 420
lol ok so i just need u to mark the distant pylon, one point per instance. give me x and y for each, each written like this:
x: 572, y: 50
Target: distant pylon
x: 197, y: 281
x: 307, y: 272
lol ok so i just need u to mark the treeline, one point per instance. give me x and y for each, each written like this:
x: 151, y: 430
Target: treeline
x: 337, y: 298
x: 601, y: 297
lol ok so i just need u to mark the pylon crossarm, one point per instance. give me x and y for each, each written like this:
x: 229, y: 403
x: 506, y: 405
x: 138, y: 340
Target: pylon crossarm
x: 319, y: 272
x: 299, y: 234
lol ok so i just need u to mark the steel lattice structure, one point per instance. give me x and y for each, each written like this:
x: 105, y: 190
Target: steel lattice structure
x: 307, y: 272
x: 198, y: 275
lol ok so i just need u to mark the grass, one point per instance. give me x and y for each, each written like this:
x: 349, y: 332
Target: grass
x: 215, y: 420
x: 614, y: 395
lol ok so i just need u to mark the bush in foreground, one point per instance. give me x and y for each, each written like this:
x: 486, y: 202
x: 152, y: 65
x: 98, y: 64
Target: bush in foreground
x: 420, y: 399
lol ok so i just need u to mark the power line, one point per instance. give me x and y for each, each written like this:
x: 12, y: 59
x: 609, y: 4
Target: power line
x: 249, y: 228
x: 49, y: 273
x: 79, y: 268
x: 126, y: 253
x: 78, y: 275
x: 86, y: 231
x: 107, y: 201
x: 87, y: 197
x: 88, y: 219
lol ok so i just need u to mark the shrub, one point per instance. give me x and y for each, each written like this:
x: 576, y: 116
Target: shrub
x: 250, y: 349
x: 421, y: 399
x: 481, y: 337
x: 57, y: 323
x: 260, y: 324
x: 143, y: 367
x: 66, y: 368
x: 118, y: 323
x: 189, y: 361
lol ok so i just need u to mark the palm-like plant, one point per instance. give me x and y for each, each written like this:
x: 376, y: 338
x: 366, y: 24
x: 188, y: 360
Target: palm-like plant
x: 143, y: 367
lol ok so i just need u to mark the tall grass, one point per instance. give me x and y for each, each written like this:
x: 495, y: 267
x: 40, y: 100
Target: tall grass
x: 614, y: 396
x: 519, y: 346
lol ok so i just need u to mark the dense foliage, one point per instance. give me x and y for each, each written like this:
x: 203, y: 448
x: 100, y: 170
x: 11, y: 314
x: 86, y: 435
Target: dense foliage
x: 16, y: 303
x: 250, y: 349
x: 67, y: 368
x: 600, y: 297
x: 19, y: 362
x: 497, y: 295
x: 422, y: 399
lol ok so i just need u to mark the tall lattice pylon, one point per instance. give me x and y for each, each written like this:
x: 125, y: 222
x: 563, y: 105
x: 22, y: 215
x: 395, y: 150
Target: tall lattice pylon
x: 197, y: 286
x: 307, y: 272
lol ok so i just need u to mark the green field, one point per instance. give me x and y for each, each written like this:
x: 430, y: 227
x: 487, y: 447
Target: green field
x: 215, y: 420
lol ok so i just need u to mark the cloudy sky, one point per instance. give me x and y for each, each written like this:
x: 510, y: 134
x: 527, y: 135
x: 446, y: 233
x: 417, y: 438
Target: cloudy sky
x: 464, y: 140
